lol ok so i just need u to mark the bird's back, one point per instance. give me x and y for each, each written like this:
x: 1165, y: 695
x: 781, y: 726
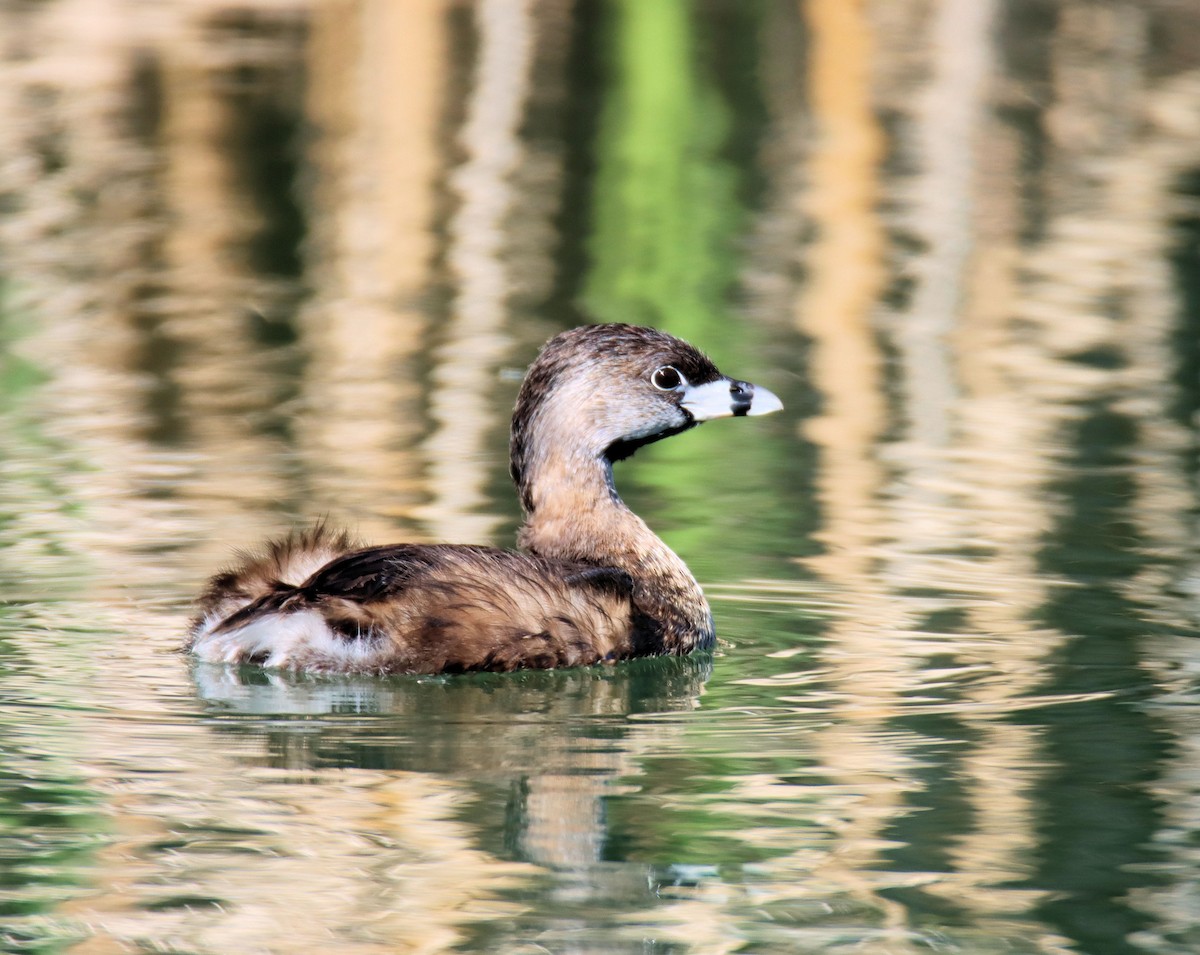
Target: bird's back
x: 414, y: 608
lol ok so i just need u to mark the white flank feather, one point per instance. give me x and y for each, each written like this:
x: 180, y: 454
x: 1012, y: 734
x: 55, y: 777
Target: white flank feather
x: 291, y: 641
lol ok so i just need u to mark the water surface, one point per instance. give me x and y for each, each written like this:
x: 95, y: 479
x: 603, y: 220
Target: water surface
x: 265, y: 262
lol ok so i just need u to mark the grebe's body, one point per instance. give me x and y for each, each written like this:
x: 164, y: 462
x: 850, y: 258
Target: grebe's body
x: 594, y: 583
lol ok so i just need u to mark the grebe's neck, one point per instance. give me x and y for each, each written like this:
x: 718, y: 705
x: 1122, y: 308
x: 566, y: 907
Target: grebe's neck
x: 573, y: 513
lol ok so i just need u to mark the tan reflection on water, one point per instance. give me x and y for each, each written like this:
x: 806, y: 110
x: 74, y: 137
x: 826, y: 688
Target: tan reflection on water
x: 836, y: 312
x: 368, y: 256
x: 239, y: 840
x: 940, y: 425
x: 848, y: 273
x: 987, y: 380
x: 230, y: 858
x: 475, y: 340
x: 90, y: 254
x: 370, y: 250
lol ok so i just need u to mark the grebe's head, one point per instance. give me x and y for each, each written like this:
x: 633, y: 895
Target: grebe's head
x: 603, y: 391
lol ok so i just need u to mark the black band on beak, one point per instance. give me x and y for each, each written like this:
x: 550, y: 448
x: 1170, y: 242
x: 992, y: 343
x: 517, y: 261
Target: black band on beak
x: 741, y: 397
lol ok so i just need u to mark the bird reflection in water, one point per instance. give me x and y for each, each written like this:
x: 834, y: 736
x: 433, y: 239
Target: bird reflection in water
x: 542, y: 747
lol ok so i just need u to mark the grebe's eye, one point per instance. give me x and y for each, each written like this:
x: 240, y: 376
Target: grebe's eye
x: 666, y: 378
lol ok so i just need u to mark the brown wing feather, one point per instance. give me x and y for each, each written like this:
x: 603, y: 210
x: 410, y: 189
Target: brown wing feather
x: 444, y: 608
x: 452, y: 609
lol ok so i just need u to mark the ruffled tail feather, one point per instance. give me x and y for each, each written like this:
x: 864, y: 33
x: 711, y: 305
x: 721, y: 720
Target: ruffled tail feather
x: 281, y: 564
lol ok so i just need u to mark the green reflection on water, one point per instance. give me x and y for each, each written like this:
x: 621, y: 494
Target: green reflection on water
x: 665, y: 204
x: 1098, y: 813
x: 51, y: 820
x: 668, y: 216
x: 18, y: 375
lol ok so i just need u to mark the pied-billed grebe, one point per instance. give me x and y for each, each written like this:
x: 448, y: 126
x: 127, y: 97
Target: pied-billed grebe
x: 594, y: 584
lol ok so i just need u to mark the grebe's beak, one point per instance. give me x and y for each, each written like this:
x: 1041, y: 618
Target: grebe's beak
x: 728, y: 398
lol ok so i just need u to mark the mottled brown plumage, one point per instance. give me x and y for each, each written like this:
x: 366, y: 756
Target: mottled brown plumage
x: 594, y: 584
